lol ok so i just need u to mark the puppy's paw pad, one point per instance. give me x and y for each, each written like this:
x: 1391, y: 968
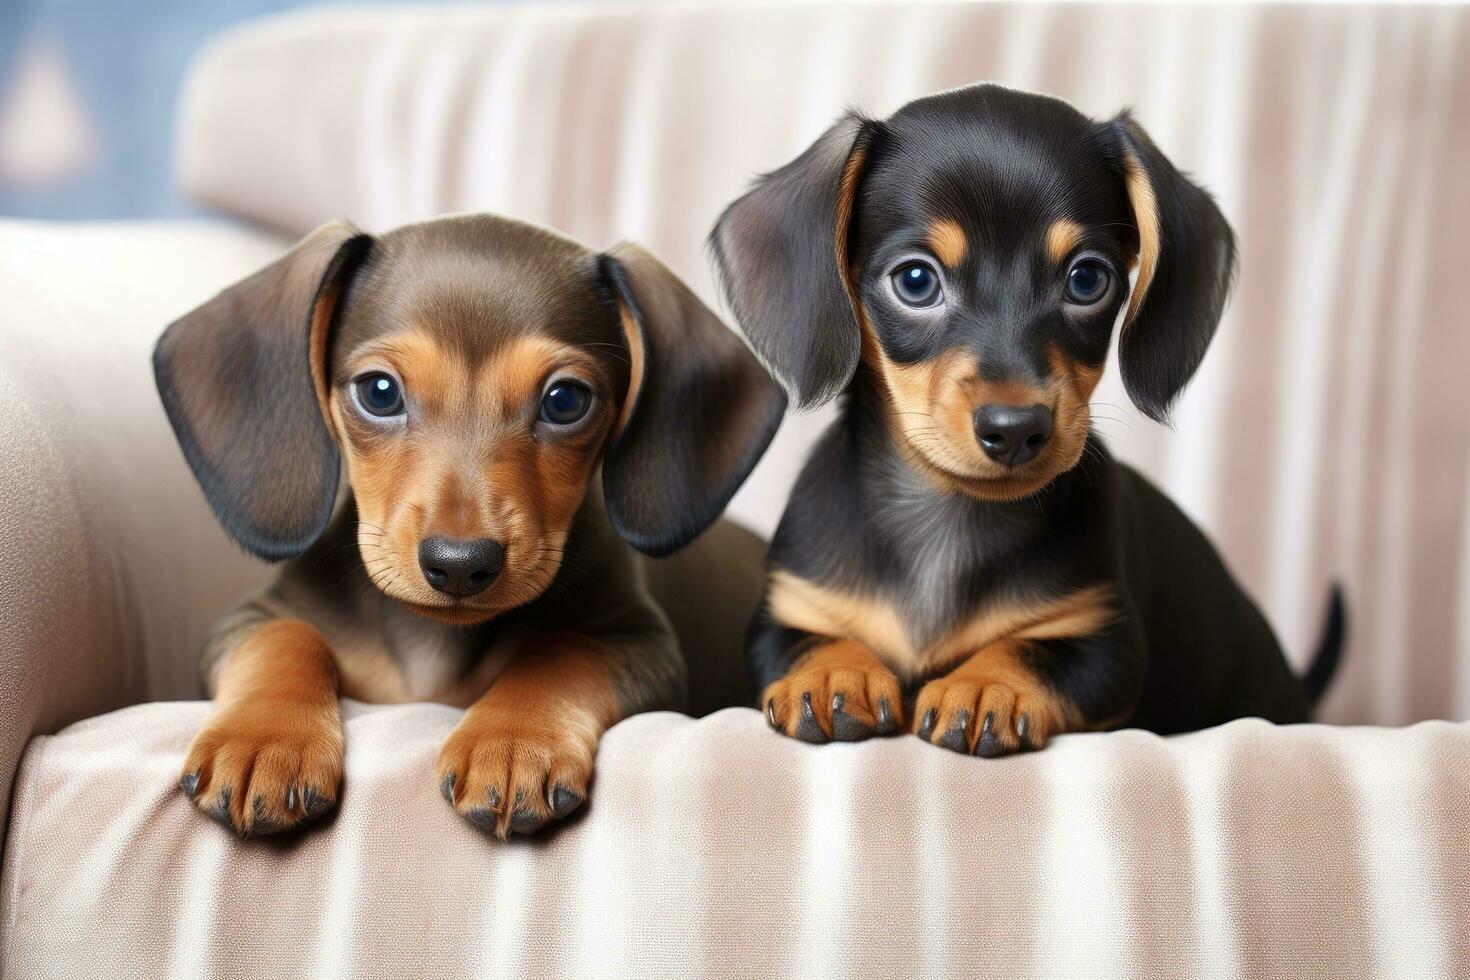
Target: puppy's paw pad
x: 841, y: 702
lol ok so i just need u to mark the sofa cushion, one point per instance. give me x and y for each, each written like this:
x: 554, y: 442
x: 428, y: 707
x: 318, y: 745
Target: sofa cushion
x: 715, y: 847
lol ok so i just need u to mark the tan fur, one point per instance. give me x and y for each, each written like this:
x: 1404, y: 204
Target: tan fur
x: 1146, y: 215
x: 931, y: 417
x: 634, y: 337
x: 835, y: 668
x: 852, y: 173
x: 805, y: 605
x: 947, y: 241
x: 995, y: 683
x: 321, y: 323
x: 540, y: 721
x: 516, y: 489
x: 873, y: 622
x: 1061, y: 238
x: 276, y: 728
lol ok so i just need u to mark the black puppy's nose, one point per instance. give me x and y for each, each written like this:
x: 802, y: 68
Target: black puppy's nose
x: 461, y: 568
x: 1012, y: 434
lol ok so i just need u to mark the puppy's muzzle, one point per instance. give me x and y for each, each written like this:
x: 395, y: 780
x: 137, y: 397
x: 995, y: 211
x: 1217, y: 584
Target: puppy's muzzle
x: 461, y: 568
x: 1012, y: 434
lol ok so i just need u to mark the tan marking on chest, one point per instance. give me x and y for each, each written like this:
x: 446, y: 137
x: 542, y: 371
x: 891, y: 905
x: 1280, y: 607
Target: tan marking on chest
x: 804, y: 605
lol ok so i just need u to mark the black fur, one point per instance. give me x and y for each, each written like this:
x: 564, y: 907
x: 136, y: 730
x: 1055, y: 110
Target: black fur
x: 1160, y: 350
x: 703, y: 415
x: 775, y: 248
x: 1186, y: 647
x: 236, y: 382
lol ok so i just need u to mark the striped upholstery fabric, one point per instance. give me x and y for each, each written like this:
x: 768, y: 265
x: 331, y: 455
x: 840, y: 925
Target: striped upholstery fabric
x: 714, y: 848
x: 1325, y: 437
x: 1326, y: 434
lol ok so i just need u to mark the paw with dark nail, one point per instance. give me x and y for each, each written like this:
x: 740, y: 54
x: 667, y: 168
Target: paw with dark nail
x: 563, y: 801
x: 809, y: 729
x: 926, y: 727
x: 1011, y: 717
x: 515, y: 773
x: 840, y: 693
x: 956, y: 738
x: 846, y: 727
x: 887, y: 724
x: 988, y: 744
x: 249, y: 767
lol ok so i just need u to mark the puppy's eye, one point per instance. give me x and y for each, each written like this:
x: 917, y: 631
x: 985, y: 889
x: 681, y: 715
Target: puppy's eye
x: 1088, y: 281
x: 916, y: 284
x: 379, y: 395
x: 565, y: 402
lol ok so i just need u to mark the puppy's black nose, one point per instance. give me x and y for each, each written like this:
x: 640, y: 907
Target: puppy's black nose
x: 460, y: 568
x: 1012, y: 434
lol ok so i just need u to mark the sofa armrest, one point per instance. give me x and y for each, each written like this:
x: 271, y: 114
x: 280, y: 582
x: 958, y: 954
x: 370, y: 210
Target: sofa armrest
x: 112, y: 563
x: 718, y: 848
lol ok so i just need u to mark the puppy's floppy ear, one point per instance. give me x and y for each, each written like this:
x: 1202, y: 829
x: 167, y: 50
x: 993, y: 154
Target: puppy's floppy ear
x: 782, y: 255
x: 244, y: 381
x: 699, y: 413
x: 1186, y: 262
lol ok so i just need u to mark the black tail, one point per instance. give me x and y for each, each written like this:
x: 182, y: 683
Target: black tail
x: 1329, y: 650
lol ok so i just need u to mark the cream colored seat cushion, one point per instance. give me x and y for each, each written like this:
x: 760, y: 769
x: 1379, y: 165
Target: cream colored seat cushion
x: 717, y: 848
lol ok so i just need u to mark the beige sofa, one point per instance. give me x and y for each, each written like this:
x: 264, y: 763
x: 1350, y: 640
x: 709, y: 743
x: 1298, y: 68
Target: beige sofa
x: 1335, y: 138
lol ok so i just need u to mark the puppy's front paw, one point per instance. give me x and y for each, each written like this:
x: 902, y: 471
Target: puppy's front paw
x: 512, y: 775
x: 261, y: 767
x: 986, y: 718
x: 822, y: 701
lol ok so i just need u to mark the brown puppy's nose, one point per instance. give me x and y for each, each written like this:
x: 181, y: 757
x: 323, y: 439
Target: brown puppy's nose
x: 1012, y: 434
x: 461, y: 568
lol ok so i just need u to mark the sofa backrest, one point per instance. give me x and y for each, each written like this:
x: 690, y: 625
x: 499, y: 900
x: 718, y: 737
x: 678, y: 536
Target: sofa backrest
x: 1326, y: 436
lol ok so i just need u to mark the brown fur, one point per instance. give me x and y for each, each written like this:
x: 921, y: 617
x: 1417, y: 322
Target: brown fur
x: 272, y: 753
x: 878, y: 626
x: 540, y: 722
x: 994, y: 702
x: 841, y: 676
x: 474, y: 318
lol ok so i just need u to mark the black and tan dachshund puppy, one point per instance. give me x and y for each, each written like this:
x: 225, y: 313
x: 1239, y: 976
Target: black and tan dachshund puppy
x: 469, y: 376
x: 957, y: 271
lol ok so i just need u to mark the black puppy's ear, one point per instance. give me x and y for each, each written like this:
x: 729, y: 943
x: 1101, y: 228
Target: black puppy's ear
x: 699, y: 413
x: 782, y: 255
x: 1186, y: 262
x: 244, y: 381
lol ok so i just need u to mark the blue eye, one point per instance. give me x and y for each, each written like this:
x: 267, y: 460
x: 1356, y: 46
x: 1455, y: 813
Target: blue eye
x: 917, y: 284
x: 1088, y: 281
x: 379, y: 395
x: 565, y: 402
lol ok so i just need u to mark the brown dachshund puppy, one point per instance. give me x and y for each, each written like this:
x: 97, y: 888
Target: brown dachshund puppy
x: 961, y: 548
x: 468, y: 376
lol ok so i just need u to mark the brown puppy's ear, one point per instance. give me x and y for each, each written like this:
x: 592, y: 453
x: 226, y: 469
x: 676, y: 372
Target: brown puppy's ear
x: 782, y: 255
x: 699, y: 413
x: 244, y: 381
x: 1186, y: 260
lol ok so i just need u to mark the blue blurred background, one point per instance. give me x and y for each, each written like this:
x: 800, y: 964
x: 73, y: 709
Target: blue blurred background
x: 88, y: 90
